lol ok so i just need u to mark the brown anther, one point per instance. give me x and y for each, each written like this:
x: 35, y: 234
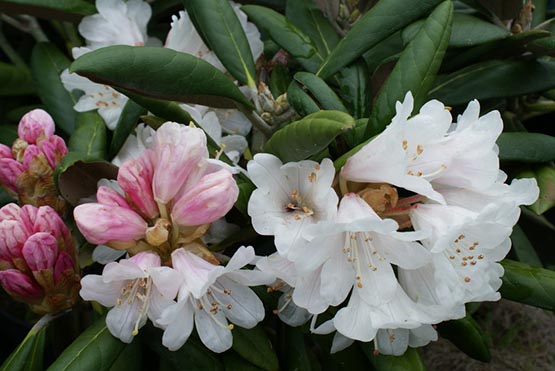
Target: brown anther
x: 115, y: 95
x: 419, y: 173
x: 419, y: 149
x: 467, y: 279
x: 359, y: 285
x: 317, y: 167
x: 480, y: 256
x: 405, y: 144
x: 464, y: 264
x: 461, y: 236
x: 295, y: 195
x: 451, y: 257
x: 473, y: 262
x: 229, y: 306
x: 458, y: 251
x: 312, y: 177
x: 298, y: 217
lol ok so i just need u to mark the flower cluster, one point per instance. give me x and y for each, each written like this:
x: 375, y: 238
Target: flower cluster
x: 26, y: 169
x: 424, y: 219
x: 38, y: 264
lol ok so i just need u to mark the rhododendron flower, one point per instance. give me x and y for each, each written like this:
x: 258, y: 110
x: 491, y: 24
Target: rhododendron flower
x: 210, y: 295
x: 136, y: 288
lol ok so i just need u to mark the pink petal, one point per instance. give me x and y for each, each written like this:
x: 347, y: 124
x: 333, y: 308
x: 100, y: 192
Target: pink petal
x: 34, y: 124
x: 40, y: 251
x: 19, y: 284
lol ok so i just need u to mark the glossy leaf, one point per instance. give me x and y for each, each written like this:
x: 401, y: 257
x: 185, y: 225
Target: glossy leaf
x: 47, y: 63
x: 126, y: 123
x: 294, y: 349
x: 220, y: 28
x: 526, y: 147
x: 286, y: 35
x: 158, y: 73
x: 89, y: 137
x: 29, y: 353
x: 308, y: 136
x: 383, y: 19
x: 523, y: 249
x: 543, y: 46
x: 320, y: 90
x: 15, y: 81
x: 545, y: 176
x: 300, y: 100
x: 467, y: 31
x: 383, y: 51
x: 354, y: 89
x: 254, y: 346
x: 409, y: 361
x: 130, y: 359
x: 234, y: 362
x: 466, y: 335
x: 70, y: 10
x: 529, y: 285
x: 94, y: 350
x: 307, y: 16
x: 162, y: 108
x: 279, y: 80
x: 246, y: 187
x: 416, y: 69
x: 495, y: 79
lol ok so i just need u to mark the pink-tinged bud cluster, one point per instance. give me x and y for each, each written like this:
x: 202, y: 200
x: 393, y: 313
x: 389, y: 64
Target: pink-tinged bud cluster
x: 171, y: 193
x: 38, y: 263
x: 27, y: 168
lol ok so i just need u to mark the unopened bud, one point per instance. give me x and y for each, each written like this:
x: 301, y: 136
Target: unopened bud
x: 34, y: 125
x: 40, y: 251
x: 19, y: 284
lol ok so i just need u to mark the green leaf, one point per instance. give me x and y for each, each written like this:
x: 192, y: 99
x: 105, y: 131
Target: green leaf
x: 543, y: 46
x: 321, y: 91
x: 29, y: 353
x: 287, y: 35
x: 35, y: 358
x: 246, y: 187
x: 529, y: 285
x: 220, y: 28
x: 523, y: 249
x: 467, y: 31
x: 89, y: 138
x: 162, y: 108
x: 294, y: 350
x: 94, y: 350
x: 526, y: 147
x: 77, y: 176
x: 466, y: 335
x: 383, y: 19
x: 15, y: 81
x: 410, y: 361
x: 354, y: 89
x: 159, y: 73
x: 383, y: 51
x: 306, y: 16
x: 308, y: 136
x: 47, y: 63
x: 126, y: 123
x: 300, y: 100
x: 8, y: 133
x: 545, y: 176
x: 70, y: 10
x: 416, y: 69
x: 254, y: 346
x: 233, y: 362
x: 279, y: 80
x: 130, y: 359
x: 495, y: 79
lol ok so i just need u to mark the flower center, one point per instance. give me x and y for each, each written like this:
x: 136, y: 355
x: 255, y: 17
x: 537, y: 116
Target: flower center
x: 212, y: 305
x: 136, y: 290
x: 296, y: 206
x: 463, y: 256
x: 361, y: 253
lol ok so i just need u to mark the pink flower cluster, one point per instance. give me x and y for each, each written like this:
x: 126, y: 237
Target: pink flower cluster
x: 37, y: 258
x: 26, y: 169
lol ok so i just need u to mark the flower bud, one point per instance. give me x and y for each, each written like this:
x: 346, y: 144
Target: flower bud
x: 108, y: 196
x: 64, y: 265
x: 34, y: 125
x: 210, y: 199
x: 19, y: 284
x: 54, y: 149
x: 101, y: 224
x: 40, y: 251
x: 12, y: 237
x: 10, y: 170
x: 5, y: 151
x: 48, y: 220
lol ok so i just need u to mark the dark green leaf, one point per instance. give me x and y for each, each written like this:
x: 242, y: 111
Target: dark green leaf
x: 286, y: 35
x: 233, y: 362
x: 526, y: 147
x: 15, y: 81
x: 410, y: 361
x: 529, y: 285
x: 279, y: 80
x: 70, y: 10
x: 94, y: 350
x: 523, y: 248
x: 28, y: 354
x: 76, y: 177
x: 294, y: 350
x: 495, y: 79
x: 540, y: 8
x: 254, y: 346
x: 35, y: 358
x: 467, y: 31
x: 466, y: 335
x: 416, y: 69
x: 383, y: 51
x: 383, y: 19
x: 543, y: 46
x: 8, y: 133
x: 47, y: 63
x: 126, y: 123
x: 307, y: 16
x: 245, y: 189
x: 321, y: 91
x: 354, y: 89
x: 220, y: 28
x: 170, y: 111
x: 129, y: 359
x: 545, y: 176
x: 159, y: 73
x: 504, y: 9
x: 300, y: 100
x: 308, y: 136
x: 89, y: 137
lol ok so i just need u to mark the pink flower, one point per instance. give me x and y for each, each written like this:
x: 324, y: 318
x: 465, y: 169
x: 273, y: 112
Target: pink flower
x: 34, y: 124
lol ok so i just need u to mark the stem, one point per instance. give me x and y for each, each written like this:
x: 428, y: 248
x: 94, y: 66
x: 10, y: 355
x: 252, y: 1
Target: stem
x: 410, y: 200
x: 10, y: 51
x: 256, y: 120
x: 28, y: 25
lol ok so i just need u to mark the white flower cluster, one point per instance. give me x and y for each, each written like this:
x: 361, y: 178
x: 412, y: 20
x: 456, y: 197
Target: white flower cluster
x: 423, y: 220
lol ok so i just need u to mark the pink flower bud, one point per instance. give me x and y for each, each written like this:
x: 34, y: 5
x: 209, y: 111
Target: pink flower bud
x: 40, y: 251
x: 64, y: 263
x: 108, y: 196
x: 48, y: 220
x: 34, y: 124
x: 9, y: 171
x: 179, y: 150
x: 5, y: 151
x: 31, y: 153
x: 19, y: 284
x: 104, y: 223
x: 210, y: 199
x: 135, y: 178
x: 12, y: 237
x: 54, y: 149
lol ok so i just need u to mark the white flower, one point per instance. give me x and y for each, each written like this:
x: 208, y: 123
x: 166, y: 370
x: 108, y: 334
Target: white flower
x: 289, y: 197
x: 211, y: 295
x: 396, y: 341
x: 136, y: 288
x: 135, y: 144
x: 183, y: 37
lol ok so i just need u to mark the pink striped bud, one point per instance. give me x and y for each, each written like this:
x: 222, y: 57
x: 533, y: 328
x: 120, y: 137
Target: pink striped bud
x: 31, y: 153
x: 101, y: 224
x: 135, y: 178
x: 48, y: 220
x: 54, y: 149
x: 40, y: 251
x: 5, y: 151
x: 19, y: 284
x: 12, y: 237
x: 35, y: 124
x: 10, y: 170
x: 108, y: 196
x: 179, y: 150
x: 64, y: 266
x: 210, y: 199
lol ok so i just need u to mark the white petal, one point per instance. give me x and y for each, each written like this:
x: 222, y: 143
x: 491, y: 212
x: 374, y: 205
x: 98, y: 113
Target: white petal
x: 340, y: 343
x: 242, y: 306
x: 121, y: 271
x: 122, y: 320
x: 103, y: 254
x: 215, y: 335
x: 392, y: 341
x: 94, y: 288
x: 353, y: 321
x: 307, y: 293
x: 166, y: 280
x: 421, y: 336
x: 178, y: 322
x: 198, y: 273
